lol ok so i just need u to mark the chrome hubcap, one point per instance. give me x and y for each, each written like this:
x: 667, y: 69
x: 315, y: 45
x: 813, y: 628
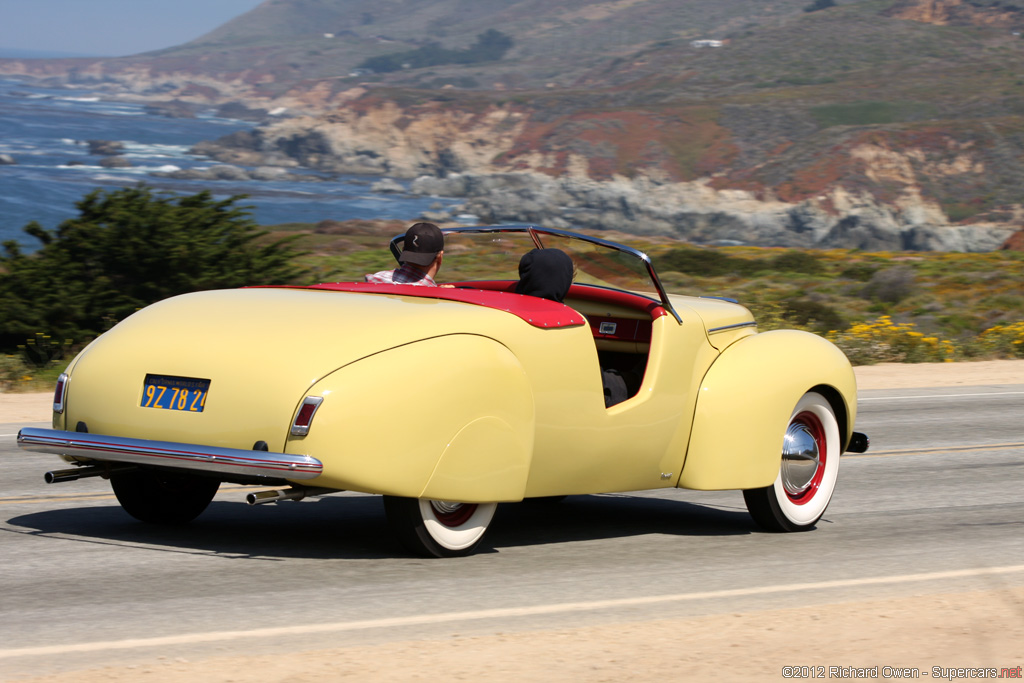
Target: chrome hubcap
x: 800, y: 459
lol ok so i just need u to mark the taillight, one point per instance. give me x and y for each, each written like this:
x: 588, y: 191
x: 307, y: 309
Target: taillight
x: 300, y: 426
x: 60, y: 392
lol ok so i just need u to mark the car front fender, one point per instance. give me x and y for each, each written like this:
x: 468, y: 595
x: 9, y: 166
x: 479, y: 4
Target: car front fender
x: 745, y: 402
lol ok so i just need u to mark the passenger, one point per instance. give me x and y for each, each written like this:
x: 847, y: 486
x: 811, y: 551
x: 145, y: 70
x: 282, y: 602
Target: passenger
x: 548, y: 273
x: 545, y: 273
x: 421, y: 258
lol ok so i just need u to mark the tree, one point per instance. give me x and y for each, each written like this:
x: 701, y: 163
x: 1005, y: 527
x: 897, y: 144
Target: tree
x: 490, y: 46
x: 129, y: 248
x: 819, y: 5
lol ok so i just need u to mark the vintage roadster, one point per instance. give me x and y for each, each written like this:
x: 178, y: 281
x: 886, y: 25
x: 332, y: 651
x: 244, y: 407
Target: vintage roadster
x: 448, y: 401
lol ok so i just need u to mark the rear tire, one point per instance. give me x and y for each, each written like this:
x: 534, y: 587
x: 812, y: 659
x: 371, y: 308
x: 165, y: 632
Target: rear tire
x: 808, y: 471
x: 434, y: 528
x: 163, y: 497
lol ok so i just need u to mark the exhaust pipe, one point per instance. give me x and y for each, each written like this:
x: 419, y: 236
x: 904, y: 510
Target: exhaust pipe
x: 59, y: 476
x: 261, y: 497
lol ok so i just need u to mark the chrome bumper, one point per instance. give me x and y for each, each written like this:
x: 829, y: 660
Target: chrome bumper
x: 169, y: 454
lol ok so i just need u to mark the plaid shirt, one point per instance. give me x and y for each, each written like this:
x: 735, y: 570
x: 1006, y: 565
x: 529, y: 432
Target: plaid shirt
x: 406, y: 275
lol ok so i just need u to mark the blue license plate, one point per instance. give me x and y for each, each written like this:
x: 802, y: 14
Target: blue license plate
x: 175, y: 393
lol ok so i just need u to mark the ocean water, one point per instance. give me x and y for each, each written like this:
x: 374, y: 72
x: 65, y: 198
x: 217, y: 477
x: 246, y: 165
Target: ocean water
x: 44, y: 131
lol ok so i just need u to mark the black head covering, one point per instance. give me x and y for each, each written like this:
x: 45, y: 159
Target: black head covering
x: 546, y: 273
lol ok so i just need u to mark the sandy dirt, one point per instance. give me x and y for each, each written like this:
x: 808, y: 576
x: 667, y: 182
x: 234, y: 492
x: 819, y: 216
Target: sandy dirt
x: 948, y: 630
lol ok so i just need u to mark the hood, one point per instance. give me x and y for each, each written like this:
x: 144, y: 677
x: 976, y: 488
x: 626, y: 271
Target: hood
x: 724, y: 321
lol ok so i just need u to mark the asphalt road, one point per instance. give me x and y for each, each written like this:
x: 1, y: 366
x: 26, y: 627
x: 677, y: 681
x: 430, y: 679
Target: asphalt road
x: 936, y: 504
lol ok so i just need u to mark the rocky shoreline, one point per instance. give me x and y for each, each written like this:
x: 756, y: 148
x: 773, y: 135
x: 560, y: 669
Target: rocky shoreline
x: 449, y: 157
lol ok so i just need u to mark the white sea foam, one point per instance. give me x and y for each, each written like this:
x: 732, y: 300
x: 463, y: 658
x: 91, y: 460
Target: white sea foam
x: 145, y: 150
x: 79, y: 99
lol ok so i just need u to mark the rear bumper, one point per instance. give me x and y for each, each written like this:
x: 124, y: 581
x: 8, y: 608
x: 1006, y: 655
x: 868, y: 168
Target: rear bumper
x: 227, y: 461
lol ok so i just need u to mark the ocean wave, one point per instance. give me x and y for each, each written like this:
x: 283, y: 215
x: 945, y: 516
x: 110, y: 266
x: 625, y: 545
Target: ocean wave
x: 78, y: 99
x: 150, y: 150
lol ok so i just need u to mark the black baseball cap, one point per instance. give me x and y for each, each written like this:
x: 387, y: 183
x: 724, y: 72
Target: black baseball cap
x: 422, y: 242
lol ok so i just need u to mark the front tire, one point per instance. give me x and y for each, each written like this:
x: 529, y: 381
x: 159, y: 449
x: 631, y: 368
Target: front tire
x: 163, y: 497
x: 807, y: 474
x: 434, y: 528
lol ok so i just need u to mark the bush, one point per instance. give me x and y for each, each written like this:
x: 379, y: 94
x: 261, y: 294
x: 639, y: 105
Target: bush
x: 702, y: 262
x: 1003, y: 341
x: 861, y: 272
x: 797, y: 262
x: 129, y: 248
x: 13, y: 372
x: 883, y: 341
x: 891, y: 285
x: 490, y: 46
x: 815, y: 315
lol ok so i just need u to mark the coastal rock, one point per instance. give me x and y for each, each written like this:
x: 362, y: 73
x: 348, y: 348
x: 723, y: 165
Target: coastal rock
x: 388, y: 186
x: 7, y: 160
x: 115, y: 162
x: 174, y: 109
x: 234, y: 173
x: 241, y: 111
x: 700, y: 214
x: 105, y: 147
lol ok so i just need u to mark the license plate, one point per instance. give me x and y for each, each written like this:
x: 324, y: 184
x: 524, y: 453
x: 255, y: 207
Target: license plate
x: 175, y: 393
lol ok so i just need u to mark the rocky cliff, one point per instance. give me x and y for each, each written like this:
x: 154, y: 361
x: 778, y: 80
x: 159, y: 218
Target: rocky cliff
x: 509, y: 170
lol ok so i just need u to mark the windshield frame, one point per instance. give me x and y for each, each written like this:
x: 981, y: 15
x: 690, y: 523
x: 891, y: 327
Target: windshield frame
x: 536, y: 234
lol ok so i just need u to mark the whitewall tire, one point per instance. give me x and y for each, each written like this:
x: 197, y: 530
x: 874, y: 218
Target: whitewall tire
x: 807, y: 473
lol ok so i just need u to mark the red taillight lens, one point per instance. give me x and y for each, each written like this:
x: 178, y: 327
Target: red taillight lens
x: 59, y: 392
x: 304, y: 418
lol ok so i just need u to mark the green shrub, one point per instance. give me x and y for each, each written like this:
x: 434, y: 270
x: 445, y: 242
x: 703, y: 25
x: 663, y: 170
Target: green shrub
x: 797, y: 262
x: 891, y: 285
x: 814, y: 315
x: 127, y: 249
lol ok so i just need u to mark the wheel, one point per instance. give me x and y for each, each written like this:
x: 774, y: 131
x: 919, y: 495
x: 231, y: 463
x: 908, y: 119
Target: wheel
x: 435, y: 528
x: 161, y: 497
x: 807, y: 475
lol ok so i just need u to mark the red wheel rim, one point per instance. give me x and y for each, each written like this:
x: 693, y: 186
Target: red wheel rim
x: 452, y: 514
x: 817, y: 432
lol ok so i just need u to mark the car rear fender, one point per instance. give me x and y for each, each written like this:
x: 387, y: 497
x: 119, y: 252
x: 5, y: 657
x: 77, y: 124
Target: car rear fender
x: 745, y: 402
x: 450, y: 417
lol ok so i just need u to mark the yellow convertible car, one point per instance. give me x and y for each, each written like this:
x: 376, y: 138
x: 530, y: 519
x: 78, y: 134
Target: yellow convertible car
x: 447, y: 401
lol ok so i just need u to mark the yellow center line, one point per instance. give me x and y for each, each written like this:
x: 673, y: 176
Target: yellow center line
x: 497, y: 613
x: 938, y: 450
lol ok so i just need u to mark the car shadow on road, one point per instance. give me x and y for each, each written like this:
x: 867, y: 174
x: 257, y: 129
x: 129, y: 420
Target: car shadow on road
x: 355, y: 527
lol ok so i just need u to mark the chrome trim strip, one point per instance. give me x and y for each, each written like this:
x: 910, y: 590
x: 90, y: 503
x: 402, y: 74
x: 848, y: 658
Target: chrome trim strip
x: 170, y: 454
x: 726, y: 328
